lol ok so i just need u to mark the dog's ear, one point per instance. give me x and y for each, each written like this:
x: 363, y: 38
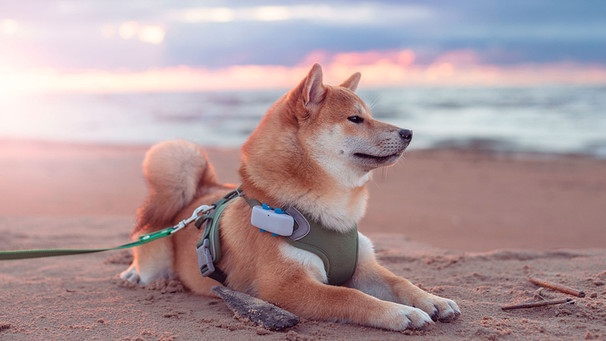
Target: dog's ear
x: 313, y: 88
x: 352, y: 82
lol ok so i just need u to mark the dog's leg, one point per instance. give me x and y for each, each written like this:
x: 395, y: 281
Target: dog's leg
x: 151, y: 262
x: 375, y: 280
x: 303, y: 295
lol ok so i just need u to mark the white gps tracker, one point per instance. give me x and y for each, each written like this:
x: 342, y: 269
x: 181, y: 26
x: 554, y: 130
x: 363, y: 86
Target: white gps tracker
x: 273, y: 221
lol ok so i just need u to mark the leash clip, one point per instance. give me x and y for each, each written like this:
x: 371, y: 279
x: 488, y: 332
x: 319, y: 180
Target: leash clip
x: 197, y: 212
x: 205, y: 258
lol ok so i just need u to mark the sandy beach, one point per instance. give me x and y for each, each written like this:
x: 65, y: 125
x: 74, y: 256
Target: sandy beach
x: 466, y: 225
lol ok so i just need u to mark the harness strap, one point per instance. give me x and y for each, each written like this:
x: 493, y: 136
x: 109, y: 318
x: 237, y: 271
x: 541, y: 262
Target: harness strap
x: 208, y: 248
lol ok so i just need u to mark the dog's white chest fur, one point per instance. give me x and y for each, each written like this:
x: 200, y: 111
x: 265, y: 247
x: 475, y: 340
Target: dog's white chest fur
x: 311, y: 262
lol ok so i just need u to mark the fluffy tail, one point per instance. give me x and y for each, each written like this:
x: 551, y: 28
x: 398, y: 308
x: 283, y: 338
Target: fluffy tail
x: 176, y: 171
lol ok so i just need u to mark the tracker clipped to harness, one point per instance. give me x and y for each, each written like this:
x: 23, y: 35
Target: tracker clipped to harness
x: 275, y: 221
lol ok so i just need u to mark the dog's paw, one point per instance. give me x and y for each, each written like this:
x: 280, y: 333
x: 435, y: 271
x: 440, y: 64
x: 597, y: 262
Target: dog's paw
x: 147, y: 275
x: 440, y: 309
x: 401, y: 317
x: 131, y: 275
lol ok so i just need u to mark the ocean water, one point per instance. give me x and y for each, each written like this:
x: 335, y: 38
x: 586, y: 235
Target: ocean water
x: 560, y: 120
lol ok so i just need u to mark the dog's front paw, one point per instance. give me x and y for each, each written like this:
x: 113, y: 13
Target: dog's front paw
x: 401, y: 317
x: 440, y: 309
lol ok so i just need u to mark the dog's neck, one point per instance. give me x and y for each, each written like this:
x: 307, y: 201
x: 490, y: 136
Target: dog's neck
x: 338, y: 209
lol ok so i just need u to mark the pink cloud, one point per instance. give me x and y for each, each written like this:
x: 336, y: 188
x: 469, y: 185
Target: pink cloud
x: 403, y: 58
x: 379, y: 69
x: 464, y: 57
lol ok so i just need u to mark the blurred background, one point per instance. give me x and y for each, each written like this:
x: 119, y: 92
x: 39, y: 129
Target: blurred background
x: 513, y: 76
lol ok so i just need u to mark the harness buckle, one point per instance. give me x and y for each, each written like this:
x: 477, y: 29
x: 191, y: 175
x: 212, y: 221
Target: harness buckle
x: 205, y: 258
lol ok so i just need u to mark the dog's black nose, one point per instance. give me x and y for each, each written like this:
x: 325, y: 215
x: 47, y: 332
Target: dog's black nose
x: 406, y: 134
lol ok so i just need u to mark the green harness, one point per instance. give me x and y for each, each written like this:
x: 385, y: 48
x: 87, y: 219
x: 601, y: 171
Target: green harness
x: 338, y: 251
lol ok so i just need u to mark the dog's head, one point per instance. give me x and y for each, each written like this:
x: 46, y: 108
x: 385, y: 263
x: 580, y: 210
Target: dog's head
x: 341, y: 133
x: 317, y: 130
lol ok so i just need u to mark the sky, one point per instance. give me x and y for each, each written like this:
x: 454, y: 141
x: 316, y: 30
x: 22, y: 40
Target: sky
x: 116, y: 46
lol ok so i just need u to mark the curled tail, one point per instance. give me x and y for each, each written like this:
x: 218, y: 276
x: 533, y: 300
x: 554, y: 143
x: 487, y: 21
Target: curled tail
x: 176, y: 171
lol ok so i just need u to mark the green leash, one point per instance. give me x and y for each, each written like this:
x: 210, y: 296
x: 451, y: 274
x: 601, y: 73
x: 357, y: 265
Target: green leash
x: 144, y: 239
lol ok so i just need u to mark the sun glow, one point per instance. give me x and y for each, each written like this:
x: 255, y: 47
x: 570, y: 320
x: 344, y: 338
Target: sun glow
x: 8, y: 26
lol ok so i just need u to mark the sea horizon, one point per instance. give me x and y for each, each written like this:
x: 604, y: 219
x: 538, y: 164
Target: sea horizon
x: 523, y: 119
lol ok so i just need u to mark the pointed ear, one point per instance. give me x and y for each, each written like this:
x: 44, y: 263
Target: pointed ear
x: 352, y: 82
x: 313, y: 88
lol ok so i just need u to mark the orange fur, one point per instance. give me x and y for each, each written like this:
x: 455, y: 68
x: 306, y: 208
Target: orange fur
x: 315, y: 150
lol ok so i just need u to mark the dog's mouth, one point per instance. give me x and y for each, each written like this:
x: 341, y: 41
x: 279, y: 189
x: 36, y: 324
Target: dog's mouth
x: 379, y: 159
x: 384, y: 153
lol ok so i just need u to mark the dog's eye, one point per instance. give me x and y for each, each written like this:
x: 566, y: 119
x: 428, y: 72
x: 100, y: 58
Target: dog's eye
x: 355, y: 119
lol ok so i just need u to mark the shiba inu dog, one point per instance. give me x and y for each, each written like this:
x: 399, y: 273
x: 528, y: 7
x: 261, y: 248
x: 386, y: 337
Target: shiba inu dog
x: 312, y: 155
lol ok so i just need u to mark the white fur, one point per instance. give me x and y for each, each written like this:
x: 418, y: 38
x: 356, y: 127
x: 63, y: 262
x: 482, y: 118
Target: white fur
x: 366, y: 250
x: 401, y: 317
x: 144, y: 275
x: 336, y: 159
x: 334, y: 212
x: 312, y: 263
x: 364, y: 281
x: 131, y: 274
x: 157, y: 263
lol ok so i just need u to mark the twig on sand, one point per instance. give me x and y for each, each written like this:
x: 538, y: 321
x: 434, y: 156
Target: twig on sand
x: 538, y: 304
x: 557, y: 287
x: 259, y: 312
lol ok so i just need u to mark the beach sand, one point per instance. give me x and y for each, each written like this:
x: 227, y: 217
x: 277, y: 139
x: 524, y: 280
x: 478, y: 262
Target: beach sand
x: 466, y: 225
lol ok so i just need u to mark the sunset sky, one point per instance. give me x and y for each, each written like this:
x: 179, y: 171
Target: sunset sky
x: 111, y: 46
